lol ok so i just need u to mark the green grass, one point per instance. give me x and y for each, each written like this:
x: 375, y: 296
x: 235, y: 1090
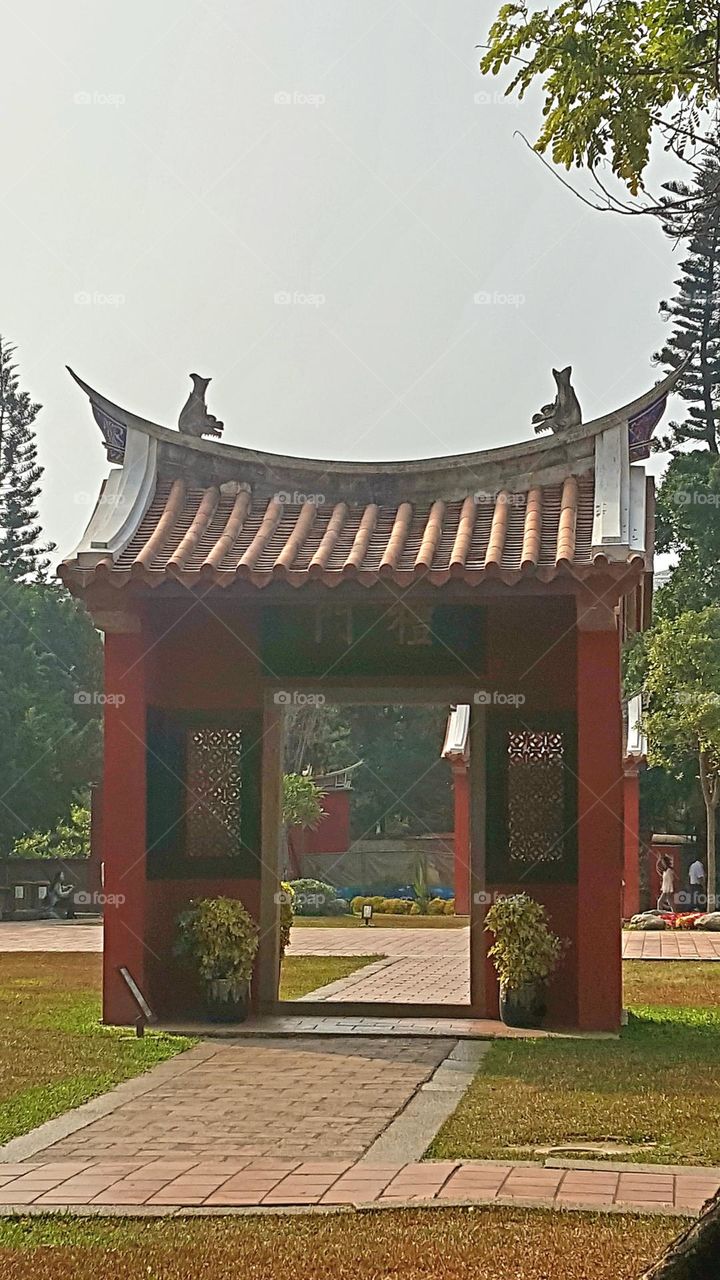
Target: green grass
x: 301, y: 974
x: 477, y: 1244
x: 54, y: 1053
x: 656, y: 1087
x: 381, y: 922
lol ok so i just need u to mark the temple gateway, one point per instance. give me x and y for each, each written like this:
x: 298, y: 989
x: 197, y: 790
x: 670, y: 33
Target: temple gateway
x: 230, y: 582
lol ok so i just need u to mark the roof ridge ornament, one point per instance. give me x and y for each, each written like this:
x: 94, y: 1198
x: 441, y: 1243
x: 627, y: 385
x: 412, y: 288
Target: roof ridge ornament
x: 565, y: 412
x: 194, y: 418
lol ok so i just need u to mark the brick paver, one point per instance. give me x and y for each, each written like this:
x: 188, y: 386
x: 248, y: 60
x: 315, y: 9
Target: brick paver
x: 286, y: 1099
x: 50, y: 935
x: 79, y: 935
x: 680, y: 944
x: 245, y: 1183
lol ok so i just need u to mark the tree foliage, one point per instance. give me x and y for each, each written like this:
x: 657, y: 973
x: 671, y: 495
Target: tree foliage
x: 23, y: 556
x: 402, y: 786
x: 49, y: 745
x: 69, y: 839
x: 613, y: 75
x: 694, y: 313
x: 302, y: 801
x: 688, y: 526
x: 682, y: 680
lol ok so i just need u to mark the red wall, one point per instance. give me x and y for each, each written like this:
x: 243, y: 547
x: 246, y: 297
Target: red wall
x: 333, y: 833
x: 200, y: 662
x: 600, y: 831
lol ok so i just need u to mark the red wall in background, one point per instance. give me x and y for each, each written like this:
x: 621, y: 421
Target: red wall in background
x: 333, y: 833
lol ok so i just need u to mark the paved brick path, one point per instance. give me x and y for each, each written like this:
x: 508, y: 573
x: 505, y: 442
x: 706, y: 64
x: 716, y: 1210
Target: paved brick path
x: 291, y: 1100
x: 681, y: 944
x: 177, y: 1181
x: 297, y: 1121
x: 402, y: 943
x: 50, y: 935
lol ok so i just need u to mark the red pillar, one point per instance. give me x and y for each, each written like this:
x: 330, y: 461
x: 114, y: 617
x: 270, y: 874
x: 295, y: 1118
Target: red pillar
x: 631, y: 842
x: 461, y: 840
x: 123, y: 825
x: 600, y: 844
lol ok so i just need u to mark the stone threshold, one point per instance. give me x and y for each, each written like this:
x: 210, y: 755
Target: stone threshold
x: 308, y: 1025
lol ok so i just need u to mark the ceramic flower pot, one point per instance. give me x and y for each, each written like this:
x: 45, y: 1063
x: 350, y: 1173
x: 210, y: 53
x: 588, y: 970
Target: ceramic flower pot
x: 226, y: 1000
x: 523, y: 1006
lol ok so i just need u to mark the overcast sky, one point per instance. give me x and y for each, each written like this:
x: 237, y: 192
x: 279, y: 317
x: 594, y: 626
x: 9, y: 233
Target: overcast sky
x: 320, y: 203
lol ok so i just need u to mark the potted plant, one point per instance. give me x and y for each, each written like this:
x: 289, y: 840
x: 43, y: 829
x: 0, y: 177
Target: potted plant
x: 220, y: 938
x: 525, y: 953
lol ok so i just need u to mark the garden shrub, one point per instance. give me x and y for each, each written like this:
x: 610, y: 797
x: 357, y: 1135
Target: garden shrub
x: 314, y: 898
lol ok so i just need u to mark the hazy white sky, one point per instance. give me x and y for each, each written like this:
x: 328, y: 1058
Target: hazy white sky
x: 173, y: 171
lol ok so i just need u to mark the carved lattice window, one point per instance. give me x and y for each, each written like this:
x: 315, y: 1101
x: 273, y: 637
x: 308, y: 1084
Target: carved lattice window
x: 214, y: 793
x: 535, y: 797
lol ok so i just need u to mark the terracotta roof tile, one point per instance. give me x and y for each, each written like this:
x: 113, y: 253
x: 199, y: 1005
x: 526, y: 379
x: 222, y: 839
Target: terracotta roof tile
x: 205, y: 534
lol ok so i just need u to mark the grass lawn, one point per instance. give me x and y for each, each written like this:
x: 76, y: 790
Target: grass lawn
x: 382, y: 922
x: 300, y: 974
x: 656, y: 1087
x: 445, y: 1244
x: 54, y: 1054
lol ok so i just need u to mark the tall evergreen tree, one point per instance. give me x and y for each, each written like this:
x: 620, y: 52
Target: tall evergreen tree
x: 695, y: 315
x: 23, y: 555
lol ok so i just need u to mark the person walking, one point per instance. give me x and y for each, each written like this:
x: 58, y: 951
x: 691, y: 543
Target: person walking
x: 667, y: 884
x: 60, y: 897
x: 698, y: 894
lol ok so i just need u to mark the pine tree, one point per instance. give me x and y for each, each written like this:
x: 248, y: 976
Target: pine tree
x: 23, y: 556
x: 695, y: 316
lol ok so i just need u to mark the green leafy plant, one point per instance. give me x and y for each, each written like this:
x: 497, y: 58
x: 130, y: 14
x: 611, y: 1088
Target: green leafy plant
x: 420, y: 885
x: 220, y: 937
x: 525, y: 949
x: 302, y: 801
x: 286, y: 915
x: 69, y: 839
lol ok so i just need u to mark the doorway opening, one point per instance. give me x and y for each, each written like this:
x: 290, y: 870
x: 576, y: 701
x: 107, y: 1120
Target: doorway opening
x: 375, y: 854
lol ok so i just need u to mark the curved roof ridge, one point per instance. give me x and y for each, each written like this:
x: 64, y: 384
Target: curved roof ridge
x: 109, y: 415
